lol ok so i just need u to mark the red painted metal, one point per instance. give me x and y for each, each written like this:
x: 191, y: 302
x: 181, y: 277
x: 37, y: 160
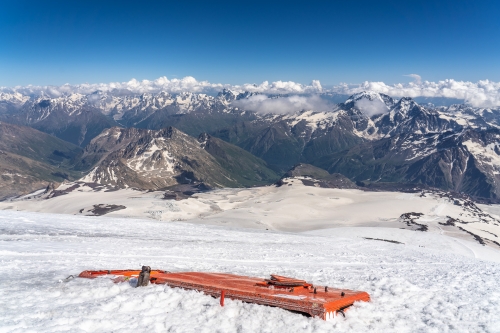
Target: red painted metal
x: 280, y: 291
x: 222, y: 296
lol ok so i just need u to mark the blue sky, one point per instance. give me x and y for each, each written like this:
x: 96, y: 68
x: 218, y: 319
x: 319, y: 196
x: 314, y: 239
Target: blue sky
x: 235, y: 42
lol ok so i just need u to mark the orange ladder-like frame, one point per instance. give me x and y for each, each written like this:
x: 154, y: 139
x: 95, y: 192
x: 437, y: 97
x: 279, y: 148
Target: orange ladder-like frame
x: 279, y: 291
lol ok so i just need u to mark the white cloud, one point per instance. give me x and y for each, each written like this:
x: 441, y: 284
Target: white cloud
x: 280, y: 87
x: 316, y: 85
x: 186, y: 84
x: 416, y: 77
x: 264, y: 104
x: 371, y: 108
x: 480, y: 94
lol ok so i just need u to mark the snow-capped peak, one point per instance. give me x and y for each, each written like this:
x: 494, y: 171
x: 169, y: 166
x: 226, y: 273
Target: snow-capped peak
x: 14, y: 98
x: 368, y: 94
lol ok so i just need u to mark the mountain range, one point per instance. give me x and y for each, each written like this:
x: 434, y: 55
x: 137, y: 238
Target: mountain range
x: 369, y: 138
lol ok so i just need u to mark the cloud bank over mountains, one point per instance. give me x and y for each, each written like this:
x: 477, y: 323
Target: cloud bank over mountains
x: 264, y: 104
x: 483, y: 93
x: 186, y: 84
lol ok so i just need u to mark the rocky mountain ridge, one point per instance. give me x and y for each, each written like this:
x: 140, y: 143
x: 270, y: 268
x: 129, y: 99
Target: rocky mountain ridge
x: 149, y: 159
x: 370, y: 137
x: 153, y: 110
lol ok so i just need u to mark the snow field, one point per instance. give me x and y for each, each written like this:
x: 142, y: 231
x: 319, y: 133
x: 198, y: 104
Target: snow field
x: 413, y: 288
x: 292, y: 207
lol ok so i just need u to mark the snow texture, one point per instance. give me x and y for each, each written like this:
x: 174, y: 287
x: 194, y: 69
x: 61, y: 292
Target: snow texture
x: 423, y: 285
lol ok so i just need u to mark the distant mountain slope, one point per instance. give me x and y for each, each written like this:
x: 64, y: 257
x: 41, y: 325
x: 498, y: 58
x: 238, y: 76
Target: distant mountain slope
x: 31, y: 143
x: 69, y: 118
x: 284, y: 140
x: 245, y: 168
x: 467, y: 162
x: 21, y: 175
x: 191, y: 113
x: 149, y: 159
x: 30, y: 159
x: 195, y: 123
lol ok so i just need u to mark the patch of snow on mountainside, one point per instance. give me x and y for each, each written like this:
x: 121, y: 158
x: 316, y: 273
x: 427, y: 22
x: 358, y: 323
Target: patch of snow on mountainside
x: 104, y: 102
x: 469, y: 116
x: 459, y: 120
x: 489, y: 154
x: 40, y: 108
x: 405, y: 105
x: 72, y: 103
x: 14, y: 98
x: 417, y: 147
x: 91, y: 177
x: 155, y: 157
x: 117, y: 105
x: 105, y: 133
x: 371, y: 132
x: 370, y: 95
x: 314, y: 120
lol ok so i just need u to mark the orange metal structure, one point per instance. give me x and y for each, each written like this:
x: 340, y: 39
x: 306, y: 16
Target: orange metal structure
x: 279, y: 291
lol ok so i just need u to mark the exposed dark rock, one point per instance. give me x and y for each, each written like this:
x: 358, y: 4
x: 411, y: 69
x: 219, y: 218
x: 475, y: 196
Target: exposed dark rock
x: 184, y: 191
x: 409, y: 219
x: 450, y: 222
x: 479, y: 239
x: 384, y: 240
x: 318, y: 177
x: 56, y: 193
x: 102, y: 209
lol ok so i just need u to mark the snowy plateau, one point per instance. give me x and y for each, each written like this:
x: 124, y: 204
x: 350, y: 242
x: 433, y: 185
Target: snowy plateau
x: 439, y: 280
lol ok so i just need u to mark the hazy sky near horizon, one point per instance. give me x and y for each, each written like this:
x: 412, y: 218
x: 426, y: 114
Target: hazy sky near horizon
x: 235, y: 42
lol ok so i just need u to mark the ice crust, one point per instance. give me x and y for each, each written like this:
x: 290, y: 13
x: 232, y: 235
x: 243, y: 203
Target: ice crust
x: 424, y: 285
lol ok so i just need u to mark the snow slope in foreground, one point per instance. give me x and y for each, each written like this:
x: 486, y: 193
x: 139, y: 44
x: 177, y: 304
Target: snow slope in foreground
x: 415, y: 287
